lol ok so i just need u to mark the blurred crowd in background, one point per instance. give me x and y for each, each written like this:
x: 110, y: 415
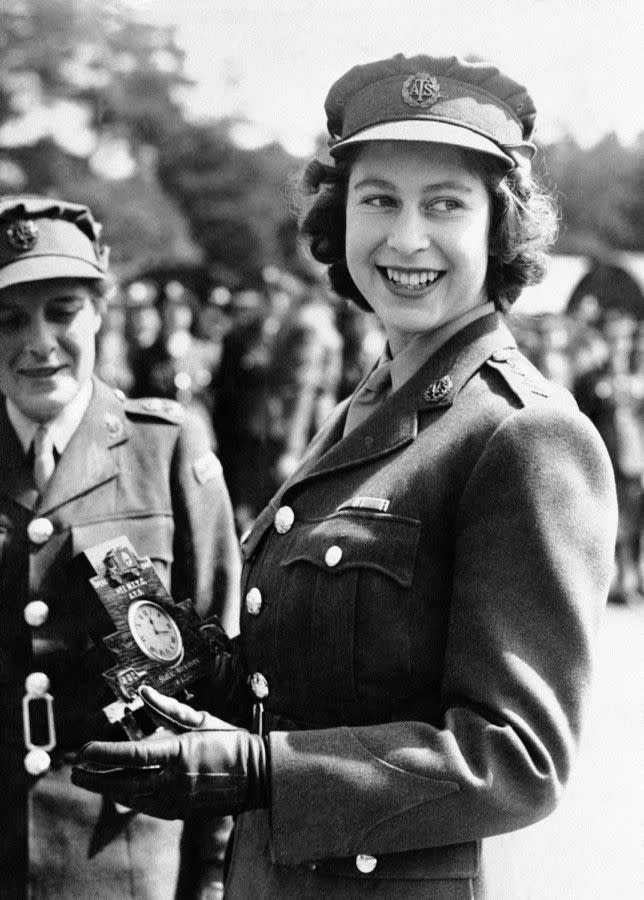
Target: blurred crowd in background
x: 94, y: 109
x: 265, y: 363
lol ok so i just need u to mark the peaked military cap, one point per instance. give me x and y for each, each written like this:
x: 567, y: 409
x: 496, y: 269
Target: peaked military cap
x: 44, y: 238
x: 444, y: 100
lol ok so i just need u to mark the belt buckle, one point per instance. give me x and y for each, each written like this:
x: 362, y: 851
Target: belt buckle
x: 37, y: 760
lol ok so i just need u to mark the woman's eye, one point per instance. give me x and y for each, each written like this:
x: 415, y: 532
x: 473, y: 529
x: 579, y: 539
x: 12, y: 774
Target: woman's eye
x: 445, y: 204
x: 11, y: 321
x: 379, y: 201
x: 63, y: 312
x: 62, y: 315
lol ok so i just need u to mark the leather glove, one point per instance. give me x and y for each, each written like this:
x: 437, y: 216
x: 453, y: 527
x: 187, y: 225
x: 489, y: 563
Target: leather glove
x: 224, y: 691
x: 209, y: 765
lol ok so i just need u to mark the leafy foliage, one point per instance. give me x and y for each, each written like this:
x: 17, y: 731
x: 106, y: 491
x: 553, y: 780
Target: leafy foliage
x: 188, y: 190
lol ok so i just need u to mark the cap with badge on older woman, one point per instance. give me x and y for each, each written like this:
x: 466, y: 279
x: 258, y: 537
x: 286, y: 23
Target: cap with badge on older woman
x: 82, y: 465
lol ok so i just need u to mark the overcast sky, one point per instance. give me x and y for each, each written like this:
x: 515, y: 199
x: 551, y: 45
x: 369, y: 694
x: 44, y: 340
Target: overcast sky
x: 272, y: 61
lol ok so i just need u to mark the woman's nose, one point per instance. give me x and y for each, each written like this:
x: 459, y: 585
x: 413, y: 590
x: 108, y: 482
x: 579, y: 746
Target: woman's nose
x: 41, y: 339
x: 409, y: 233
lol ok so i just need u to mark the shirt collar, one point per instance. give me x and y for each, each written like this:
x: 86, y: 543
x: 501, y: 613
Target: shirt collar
x: 424, y: 345
x: 61, y: 428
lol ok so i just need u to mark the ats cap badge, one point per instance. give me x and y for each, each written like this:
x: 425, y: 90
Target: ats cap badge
x: 421, y: 90
x: 22, y: 235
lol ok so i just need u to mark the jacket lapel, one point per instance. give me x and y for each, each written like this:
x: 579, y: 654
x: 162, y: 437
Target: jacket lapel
x: 395, y: 423
x: 87, y: 460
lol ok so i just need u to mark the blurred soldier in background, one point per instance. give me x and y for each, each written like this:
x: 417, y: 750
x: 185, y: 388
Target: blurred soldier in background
x: 304, y: 376
x: 279, y: 377
x: 612, y: 395
x: 179, y: 365
x: 241, y: 416
x: 142, y: 320
x: 82, y: 465
x: 112, y: 348
x: 362, y: 342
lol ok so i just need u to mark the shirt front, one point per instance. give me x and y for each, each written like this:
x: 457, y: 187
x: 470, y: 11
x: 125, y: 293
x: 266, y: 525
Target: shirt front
x: 61, y: 428
x: 424, y: 345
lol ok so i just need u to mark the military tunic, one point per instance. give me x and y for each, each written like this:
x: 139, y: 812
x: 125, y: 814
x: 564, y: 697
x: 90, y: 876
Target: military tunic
x: 419, y: 607
x: 139, y: 468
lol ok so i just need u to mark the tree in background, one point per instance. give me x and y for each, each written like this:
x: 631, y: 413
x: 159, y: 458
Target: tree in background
x: 88, y: 93
x: 236, y: 200
x: 600, y: 194
x: 91, y: 109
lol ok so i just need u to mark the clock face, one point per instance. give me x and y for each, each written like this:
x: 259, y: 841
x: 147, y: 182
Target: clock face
x: 155, y: 632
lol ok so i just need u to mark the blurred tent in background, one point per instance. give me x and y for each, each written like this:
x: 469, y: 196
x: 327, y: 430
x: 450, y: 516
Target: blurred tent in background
x: 568, y: 274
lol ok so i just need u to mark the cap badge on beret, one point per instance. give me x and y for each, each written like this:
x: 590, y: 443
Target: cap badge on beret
x: 22, y: 235
x: 421, y: 90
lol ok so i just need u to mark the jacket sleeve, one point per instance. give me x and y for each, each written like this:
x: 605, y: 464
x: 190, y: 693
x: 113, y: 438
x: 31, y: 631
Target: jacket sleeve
x: 534, y: 546
x: 207, y: 558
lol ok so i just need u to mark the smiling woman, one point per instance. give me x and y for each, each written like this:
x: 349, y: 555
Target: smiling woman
x: 80, y: 466
x: 522, y: 228
x: 417, y: 236
x: 423, y: 593
x: 47, y: 346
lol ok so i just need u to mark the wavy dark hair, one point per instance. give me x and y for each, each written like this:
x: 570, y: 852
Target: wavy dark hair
x: 523, y: 224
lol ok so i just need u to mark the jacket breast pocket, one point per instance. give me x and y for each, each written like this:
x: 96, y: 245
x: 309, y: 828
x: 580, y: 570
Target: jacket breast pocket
x: 150, y: 535
x: 355, y: 569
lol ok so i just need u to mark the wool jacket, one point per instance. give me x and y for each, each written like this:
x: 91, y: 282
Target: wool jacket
x: 422, y: 601
x: 139, y: 468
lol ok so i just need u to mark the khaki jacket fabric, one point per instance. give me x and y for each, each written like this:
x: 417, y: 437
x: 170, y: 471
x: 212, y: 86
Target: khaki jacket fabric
x: 426, y: 631
x: 139, y: 468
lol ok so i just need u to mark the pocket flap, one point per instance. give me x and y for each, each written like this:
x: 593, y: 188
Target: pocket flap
x: 366, y: 539
x: 429, y: 864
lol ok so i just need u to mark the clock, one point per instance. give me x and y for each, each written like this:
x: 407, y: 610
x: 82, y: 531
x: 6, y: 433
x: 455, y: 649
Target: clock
x: 155, y: 632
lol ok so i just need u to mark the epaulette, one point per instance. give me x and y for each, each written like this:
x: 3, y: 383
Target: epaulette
x: 523, y: 379
x: 155, y: 408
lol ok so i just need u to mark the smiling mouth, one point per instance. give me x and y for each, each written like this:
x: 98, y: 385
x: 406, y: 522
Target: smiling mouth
x: 41, y: 371
x: 413, y: 279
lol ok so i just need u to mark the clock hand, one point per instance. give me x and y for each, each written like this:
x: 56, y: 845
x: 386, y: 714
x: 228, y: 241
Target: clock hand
x: 149, y: 617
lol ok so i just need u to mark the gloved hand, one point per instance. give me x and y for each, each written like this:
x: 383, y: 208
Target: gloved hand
x: 209, y: 765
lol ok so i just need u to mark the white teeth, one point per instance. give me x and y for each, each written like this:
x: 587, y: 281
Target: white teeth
x: 417, y: 278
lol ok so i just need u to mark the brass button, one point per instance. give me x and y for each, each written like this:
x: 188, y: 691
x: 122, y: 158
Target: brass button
x: 254, y: 601
x: 35, y: 613
x: 37, y: 684
x: 284, y: 518
x: 258, y: 685
x: 333, y: 556
x: 366, y: 863
x: 39, y: 531
x: 37, y: 762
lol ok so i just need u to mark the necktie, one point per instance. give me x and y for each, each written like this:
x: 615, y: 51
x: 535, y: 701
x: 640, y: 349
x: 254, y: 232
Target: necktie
x: 371, y: 394
x: 44, y: 462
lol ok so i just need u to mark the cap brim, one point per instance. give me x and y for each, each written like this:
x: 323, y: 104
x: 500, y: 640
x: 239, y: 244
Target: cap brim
x: 430, y: 131
x: 45, y: 267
